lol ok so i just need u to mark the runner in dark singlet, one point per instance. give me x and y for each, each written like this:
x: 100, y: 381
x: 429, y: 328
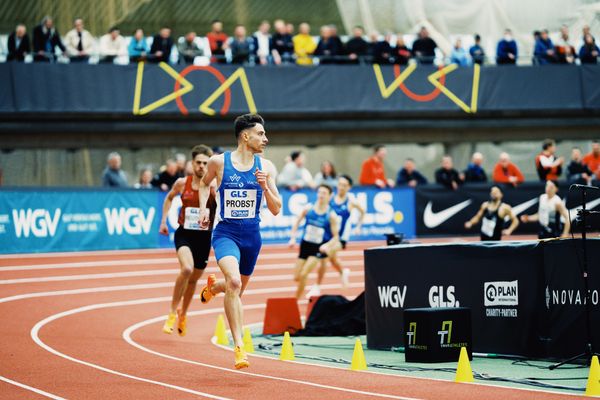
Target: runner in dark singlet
x: 492, y: 215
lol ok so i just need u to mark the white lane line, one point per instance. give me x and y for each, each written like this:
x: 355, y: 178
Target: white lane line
x: 35, y: 336
x: 35, y: 331
x: 78, y: 253
x: 31, y: 388
x: 127, y: 337
x: 156, y: 272
x: 151, y: 261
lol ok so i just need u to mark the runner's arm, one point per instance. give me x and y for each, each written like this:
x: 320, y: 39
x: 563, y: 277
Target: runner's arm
x: 514, y: 221
x: 361, y: 211
x: 266, y: 179
x: 212, y: 169
x: 477, y: 217
x: 176, y: 189
x: 560, y: 207
x: 294, y: 230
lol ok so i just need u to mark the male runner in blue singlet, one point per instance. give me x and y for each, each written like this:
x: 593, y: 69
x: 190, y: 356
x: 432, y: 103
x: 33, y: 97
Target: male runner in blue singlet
x: 320, y: 237
x: 243, y: 179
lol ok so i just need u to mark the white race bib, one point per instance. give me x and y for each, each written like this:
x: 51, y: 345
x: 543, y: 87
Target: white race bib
x: 314, y: 234
x: 488, y: 226
x: 240, y: 203
x: 192, y: 219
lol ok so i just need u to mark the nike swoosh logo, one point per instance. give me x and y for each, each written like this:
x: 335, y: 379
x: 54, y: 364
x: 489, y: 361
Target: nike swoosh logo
x: 518, y: 209
x: 432, y: 220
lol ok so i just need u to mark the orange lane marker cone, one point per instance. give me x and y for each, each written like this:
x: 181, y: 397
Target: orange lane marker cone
x: 463, y: 371
x: 220, y: 331
x: 287, y: 350
x: 248, y: 345
x: 358, y: 358
x: 593, y: 384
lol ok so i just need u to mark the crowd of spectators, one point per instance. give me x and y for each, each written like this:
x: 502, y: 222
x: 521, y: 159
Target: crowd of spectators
x: 582, y: 169
x: 283, y: 46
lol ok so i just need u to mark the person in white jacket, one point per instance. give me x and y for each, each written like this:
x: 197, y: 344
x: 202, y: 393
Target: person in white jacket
x: 79, y: 42
x: 112, y: 46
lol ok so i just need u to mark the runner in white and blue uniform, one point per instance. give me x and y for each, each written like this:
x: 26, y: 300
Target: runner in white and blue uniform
x: 343, y: 206
x: 243, y: 180
x: 321, y: 235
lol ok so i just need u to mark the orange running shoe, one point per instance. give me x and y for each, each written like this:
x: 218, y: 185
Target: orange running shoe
x: 241, y: 358
x: 206, y: 294
x: 181, y: 323
x: 168, y: 326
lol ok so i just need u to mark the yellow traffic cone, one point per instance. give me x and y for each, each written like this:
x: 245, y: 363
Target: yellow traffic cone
x: 220, y: 331
x: 593, y: 383
x: 248, y: 345
x: 358, y: 358
x: 463, y: 371
x: 287, y: 350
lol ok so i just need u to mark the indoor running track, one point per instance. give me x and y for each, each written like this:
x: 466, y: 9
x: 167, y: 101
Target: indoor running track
x: 88, y: 325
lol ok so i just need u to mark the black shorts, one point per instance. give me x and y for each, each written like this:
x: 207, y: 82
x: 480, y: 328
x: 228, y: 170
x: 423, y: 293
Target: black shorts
x: 197, y: 241
x: 343, y: 242
x: 308, y: 249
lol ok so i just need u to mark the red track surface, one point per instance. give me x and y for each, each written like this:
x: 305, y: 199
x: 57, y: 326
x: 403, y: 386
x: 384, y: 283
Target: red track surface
x: 70, y: 332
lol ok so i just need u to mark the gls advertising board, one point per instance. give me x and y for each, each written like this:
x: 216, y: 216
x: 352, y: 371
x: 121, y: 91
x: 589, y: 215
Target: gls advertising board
x: 63, y: 220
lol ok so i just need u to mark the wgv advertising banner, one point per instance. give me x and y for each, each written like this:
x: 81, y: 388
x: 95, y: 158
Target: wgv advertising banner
x: 42, y: 221
x: 79, y: 220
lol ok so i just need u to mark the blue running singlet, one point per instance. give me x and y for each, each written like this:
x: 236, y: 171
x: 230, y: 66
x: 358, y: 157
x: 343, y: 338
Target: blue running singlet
x: 317, y: 228
x: 343, y: 212
x: 237, y: 233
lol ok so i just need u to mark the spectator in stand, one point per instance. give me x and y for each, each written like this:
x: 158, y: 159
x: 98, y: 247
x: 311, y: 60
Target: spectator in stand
x: 79, y: 42
x: 357, y: 48
x: 162, y: 44
x: 382, y: 50
x: 282, y: 43
x: 592, y: 159
x: 577, y: 171
x: 507, y: 172
x: 304, y: 45
x: 409, y: 176
x: 289, y: 28
x: 588, y: 54
x: 45, y: 41
x: 447, y: 175
x: 138, y: 47
x: 180, y: 160
x: 113, y: 175
x: 424, y: 47
x: 327, y: 50
x: 401, y: 53
x: 507, y: 51
x: 165, y: 179
x: 476, y: 51
x: 18, y: 44
x: 294, y: 174
x: 458, y: 54
x: 372, y: 171
x: 544, y: 51
x: 112, y: 45
x: 217, y: 40
x: 262, y: 43
x: 242, y: 47
x: 326, y: 175
x: 338, y: 42
x: 585, y: 31
x: 565, y: 51
x: 145, y: 180
x: 548, y: 166
x: 188, y: 49
x: 475, y: 172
